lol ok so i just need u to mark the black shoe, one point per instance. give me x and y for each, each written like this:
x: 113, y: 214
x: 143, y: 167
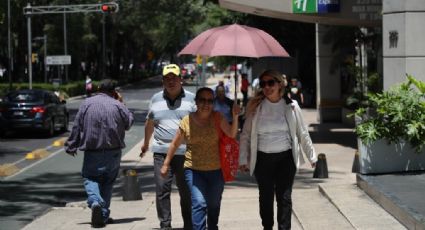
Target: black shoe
x: 96, y: 217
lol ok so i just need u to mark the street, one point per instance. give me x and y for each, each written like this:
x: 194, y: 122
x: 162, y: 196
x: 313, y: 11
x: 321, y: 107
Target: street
x: 56, y: 180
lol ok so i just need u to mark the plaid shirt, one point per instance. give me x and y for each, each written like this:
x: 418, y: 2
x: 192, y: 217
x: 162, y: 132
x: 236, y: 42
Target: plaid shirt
x: 100, y: 124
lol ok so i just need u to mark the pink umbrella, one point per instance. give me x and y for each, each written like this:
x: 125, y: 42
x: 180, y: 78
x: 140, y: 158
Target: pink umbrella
x: 235, y: 40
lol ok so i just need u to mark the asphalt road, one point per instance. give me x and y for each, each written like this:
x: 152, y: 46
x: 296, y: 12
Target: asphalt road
x: 56, y: 180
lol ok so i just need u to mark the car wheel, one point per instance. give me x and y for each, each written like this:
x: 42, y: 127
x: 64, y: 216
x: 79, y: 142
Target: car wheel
x: 65, y: 124
x: 51, y: 129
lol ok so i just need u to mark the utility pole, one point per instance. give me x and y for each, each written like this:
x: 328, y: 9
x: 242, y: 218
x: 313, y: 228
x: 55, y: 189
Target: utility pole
x: 103, y: 47
x: 29, y: 46
x: 9, y: 47
x: 65, y: 42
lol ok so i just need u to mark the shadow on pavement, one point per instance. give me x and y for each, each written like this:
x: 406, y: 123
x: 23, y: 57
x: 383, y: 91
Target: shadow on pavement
x: 333, y: 133
x: 118, y: 221
x: 51, y: 189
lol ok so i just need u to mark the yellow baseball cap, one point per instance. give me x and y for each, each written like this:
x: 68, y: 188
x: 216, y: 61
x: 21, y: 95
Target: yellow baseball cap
x: 171, y: 68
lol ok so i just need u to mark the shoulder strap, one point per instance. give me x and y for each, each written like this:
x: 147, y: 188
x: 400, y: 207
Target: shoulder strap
x: 216, y: 116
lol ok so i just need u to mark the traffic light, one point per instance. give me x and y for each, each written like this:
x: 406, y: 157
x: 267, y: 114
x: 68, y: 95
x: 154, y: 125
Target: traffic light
x: 110, y: 7
x: 34, y: 57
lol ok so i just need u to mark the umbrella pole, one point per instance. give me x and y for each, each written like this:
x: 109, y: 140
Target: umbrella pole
x: 236, y: 79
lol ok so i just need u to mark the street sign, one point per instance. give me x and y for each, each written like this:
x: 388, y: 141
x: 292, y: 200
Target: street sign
x: 58, y: 60
x: 328, y: 6
x: 315, y: 6
x: 304, y: 6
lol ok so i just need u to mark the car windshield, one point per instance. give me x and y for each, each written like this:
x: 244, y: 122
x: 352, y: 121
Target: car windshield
x: 24, y: 96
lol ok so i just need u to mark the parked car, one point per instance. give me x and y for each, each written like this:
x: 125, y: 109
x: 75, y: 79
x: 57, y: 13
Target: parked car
x: 33, y: 109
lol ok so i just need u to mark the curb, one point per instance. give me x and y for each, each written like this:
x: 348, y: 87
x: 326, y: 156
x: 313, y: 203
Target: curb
x: 8, y: 169
x: 405, y: 216
x: 60, y: 142
x: 37, y: 154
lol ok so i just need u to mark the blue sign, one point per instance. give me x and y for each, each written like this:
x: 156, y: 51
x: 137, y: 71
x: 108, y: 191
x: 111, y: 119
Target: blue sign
x: 328, y: 6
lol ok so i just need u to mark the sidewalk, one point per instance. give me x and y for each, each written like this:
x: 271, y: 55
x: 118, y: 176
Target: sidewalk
x: 332, y: 203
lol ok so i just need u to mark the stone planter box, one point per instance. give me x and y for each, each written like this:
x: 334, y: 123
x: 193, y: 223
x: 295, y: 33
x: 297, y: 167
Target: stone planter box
x: 380, y: 157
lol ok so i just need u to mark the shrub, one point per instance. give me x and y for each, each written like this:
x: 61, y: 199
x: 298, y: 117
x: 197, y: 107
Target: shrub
x: 397, y: 114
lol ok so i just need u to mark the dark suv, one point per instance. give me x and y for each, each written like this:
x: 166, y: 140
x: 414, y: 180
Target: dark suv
x: 34, y: 109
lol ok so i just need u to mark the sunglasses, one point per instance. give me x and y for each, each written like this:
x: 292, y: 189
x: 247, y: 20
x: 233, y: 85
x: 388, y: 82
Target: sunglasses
x: 205, y: 101
x: 269, y: 83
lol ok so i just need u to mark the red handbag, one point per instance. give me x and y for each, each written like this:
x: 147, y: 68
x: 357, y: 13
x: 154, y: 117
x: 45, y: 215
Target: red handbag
x: 229, y: 153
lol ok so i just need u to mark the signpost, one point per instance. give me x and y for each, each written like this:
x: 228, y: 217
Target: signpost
x: 58, y: 60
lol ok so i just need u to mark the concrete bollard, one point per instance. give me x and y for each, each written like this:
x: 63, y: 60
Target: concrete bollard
x: 131, y: 190
x: 321, y: 170
x: 356, y: 163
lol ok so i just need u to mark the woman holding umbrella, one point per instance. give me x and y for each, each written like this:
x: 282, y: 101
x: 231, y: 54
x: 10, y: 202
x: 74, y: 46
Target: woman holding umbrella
x: 202, y: 160
x: 270, y: 147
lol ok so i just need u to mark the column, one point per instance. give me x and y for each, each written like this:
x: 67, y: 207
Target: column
x: 328, y: 92
x: 403, y: 34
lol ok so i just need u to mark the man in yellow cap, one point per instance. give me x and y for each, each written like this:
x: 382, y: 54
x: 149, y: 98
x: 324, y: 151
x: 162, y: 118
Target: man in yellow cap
x: 166, y: 110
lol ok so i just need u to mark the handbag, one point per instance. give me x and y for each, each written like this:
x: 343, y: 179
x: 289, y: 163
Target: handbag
x: 229, y: 153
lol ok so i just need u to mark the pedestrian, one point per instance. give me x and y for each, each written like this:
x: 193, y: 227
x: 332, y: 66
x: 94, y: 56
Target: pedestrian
x: 223, y: 104
x: 99, y: 130
x: 270, y: 147
x: 295, y: 92
x: 89, y: 86
x: 255, y: 85
x: 228, y: 86
x: 166, y: 109
x: 244, y: 88
x: 202, y: 171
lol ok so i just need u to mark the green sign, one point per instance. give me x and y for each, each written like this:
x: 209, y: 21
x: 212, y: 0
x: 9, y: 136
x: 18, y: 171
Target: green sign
x: 304, y: 6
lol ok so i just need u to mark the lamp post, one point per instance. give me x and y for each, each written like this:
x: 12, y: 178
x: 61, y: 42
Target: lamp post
x: 65, y: 42
x: 103, y: 47
x: 9, y: 47
x: 27, y: 9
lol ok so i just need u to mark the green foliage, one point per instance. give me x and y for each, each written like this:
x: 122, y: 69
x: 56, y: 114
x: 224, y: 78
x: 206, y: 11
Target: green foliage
x: 68, y: 90
x: 395, y: 115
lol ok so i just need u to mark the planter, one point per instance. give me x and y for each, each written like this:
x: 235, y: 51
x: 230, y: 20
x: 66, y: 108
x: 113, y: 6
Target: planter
x: 381, y: 157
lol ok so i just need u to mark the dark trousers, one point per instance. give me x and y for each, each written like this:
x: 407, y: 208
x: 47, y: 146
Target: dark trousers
x: 163, y: 191
x: 275, y: 173
x: 244, y: 97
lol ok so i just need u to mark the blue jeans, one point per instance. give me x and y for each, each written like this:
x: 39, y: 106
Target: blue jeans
x: 100, y: 169
x: 206, y: 188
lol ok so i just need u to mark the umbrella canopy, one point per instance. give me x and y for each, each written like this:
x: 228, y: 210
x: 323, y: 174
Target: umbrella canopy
x: 235, y: 40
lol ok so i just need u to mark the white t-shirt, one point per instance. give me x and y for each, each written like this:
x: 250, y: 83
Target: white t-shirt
x: 273, y: 130
x: 255, y: 83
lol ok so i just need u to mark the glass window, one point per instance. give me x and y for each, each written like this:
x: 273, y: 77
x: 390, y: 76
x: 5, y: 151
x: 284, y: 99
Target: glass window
x: 24, y: 97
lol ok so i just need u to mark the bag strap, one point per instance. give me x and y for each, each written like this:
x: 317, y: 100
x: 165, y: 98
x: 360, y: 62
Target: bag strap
x: 217, y: 124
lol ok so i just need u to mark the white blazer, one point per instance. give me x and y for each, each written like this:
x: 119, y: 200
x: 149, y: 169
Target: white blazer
x: 301, y: 141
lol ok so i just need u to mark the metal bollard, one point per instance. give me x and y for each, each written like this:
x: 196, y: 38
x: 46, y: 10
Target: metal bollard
x: 131, y: 190
x: 321, y: 170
